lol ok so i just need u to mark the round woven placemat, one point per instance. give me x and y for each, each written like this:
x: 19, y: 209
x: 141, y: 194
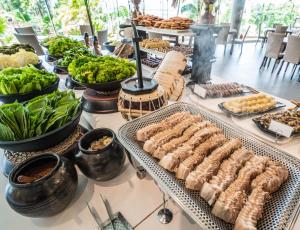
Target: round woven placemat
x: 16, y: 158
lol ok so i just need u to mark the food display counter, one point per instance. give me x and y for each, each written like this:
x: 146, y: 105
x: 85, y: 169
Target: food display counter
x: 138, y: 200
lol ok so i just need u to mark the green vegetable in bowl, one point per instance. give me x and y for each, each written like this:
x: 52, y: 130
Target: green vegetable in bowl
x: 101, y: 69
x: 72, y: 54
x: 57, y: 46
x: 15, y: 48
x: 24, y: 80
x: 48, y: 41
x: 38, y: 116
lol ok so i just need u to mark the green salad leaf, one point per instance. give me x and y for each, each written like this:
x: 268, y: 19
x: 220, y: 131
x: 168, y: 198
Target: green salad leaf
x: 38, y: 116
x: 57, y: 46
x: 24, y: 80
x: 72, y: 54
x: 101, y: 69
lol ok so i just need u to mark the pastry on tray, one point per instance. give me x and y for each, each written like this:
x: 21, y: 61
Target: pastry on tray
x: 235, y: 181
x: 250, y: 104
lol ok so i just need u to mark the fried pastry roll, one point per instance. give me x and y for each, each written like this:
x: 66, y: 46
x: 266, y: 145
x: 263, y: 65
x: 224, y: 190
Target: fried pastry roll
x: 232, y: 200
x: 166, y: 135
x: 176, y: 142
x: 211, y: 164
x: 262, y: 186
x: 173, y: 159
x: 150, y: 130
x: 186, y: 166
x: 227, y: 173
x: 252, y: 211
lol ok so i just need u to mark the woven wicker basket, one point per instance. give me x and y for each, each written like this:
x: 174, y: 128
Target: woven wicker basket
x: 133, y: 106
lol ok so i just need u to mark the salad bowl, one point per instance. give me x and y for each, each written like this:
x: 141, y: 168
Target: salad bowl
x: 10, y: 98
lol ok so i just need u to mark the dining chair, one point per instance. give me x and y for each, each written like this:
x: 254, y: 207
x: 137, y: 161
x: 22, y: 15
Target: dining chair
x: 276, y: 24
x: 291, y: 54
x: 261, y: 35
x: 297, y: 22
x: 223, y: 36
x: 25, y: 30
x: 281, y: 29
x: 32, y: 40
x: 102, y: 36
x: 241, y: 41
x: 85, y: 29
x: 273, y: 50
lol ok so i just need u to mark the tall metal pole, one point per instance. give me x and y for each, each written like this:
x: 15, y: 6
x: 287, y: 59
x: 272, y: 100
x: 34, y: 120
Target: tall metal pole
x: 86, y: 3
x: 50, y: 15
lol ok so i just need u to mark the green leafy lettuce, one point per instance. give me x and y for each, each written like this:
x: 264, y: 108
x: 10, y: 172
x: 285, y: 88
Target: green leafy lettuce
x: 57, y: 46
x: 72, y: 54
x: 38, y: 116
x: 24, y: 80
x: 101, y: 69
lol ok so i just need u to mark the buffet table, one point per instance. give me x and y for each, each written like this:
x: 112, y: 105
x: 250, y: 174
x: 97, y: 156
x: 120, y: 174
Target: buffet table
x: 138, y: 200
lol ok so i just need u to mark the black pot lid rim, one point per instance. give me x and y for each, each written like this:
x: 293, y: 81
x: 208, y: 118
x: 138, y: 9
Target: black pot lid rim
x: 129, y: 86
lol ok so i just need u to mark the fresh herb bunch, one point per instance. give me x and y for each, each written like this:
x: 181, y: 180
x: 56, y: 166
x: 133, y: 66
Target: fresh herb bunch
x: 48, y: 41
x: 72, y: 54
x: 38, y: 116
x: 24, y: 80
x: 101, y: 69
x: 15, y: 48
x: 59, y: 45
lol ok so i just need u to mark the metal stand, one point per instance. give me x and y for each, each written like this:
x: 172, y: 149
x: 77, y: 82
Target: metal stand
x: 164, y: 215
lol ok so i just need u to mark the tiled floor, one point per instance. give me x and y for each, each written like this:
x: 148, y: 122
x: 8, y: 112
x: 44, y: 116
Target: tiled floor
x: 245, y: 69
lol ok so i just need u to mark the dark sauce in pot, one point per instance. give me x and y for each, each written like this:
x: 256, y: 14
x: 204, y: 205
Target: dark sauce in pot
x: 36, y: 171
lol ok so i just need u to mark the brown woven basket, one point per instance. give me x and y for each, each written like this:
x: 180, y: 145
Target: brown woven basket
x: 133, y: 106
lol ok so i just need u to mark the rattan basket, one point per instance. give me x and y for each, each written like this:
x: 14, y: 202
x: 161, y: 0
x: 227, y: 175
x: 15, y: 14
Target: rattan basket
x: 133, y: 106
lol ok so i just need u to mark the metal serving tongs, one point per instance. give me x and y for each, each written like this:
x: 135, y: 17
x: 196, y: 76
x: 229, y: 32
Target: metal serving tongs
x: 297, y: 105
x: 110, y: 215
x: 94, y: 216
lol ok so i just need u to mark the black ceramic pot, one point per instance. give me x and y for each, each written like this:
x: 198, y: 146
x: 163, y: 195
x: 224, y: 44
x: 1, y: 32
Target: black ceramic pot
x: 104, y: 164
x: 109, y: 47
x: 46, y: 196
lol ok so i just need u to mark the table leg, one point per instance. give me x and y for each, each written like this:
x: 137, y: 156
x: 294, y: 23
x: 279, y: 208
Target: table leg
x: 232, y: 44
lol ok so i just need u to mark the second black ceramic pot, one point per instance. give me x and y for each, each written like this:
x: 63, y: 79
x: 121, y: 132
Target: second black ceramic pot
x: 103, y: 164
x: 47, y: 196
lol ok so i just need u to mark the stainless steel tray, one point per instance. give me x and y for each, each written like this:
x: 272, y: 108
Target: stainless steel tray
x: 280, y: 212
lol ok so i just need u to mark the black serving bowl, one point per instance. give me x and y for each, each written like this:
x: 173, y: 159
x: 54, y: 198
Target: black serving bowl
x: 51, y: 58
x: 109, y: 47
x: 72, y: 84
x: 60, y: 69
x: 46, y: 196
x: 10, y: 98
x: 39, y: 65
x: 103, y: 164
x: 44, y: 141
x: 103, y: 87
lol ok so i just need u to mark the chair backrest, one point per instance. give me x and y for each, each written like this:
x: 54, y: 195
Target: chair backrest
x: 154, y: 35
x: 85, y: 29
x: 280, y: 29
x: 32, y: 40
x: 102, y: 36
x: 223, y: 35
x: 25, y: 30
x: 276, y: 24
x: 297, y: 23
x: 245, y: 35
x: 274, y: 45
x: 292, y: 51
